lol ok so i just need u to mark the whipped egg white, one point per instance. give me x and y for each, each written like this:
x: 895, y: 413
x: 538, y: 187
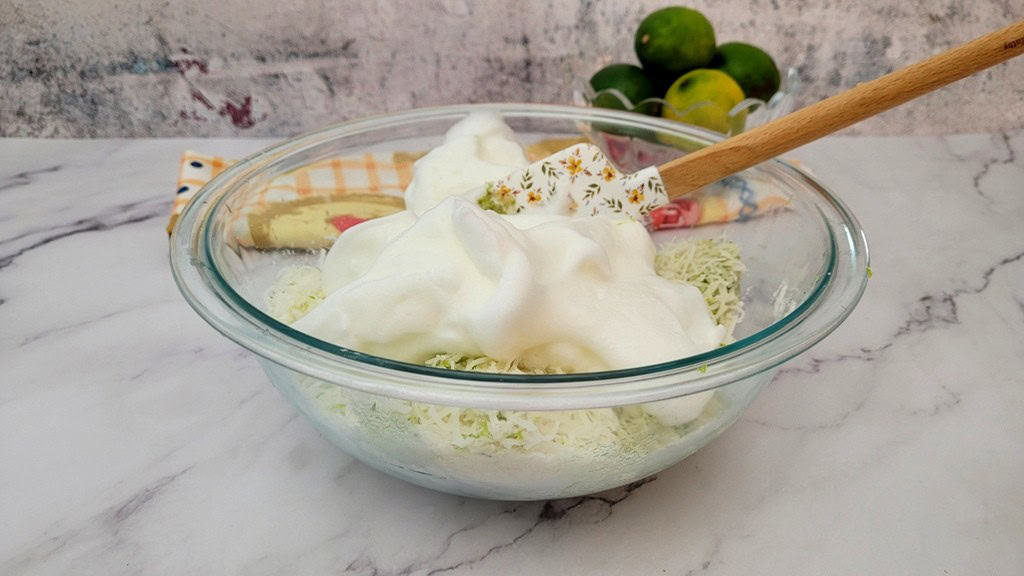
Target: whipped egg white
x: 579, y: 293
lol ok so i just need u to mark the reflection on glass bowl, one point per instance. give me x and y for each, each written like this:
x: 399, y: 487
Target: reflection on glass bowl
x: 747, y: 114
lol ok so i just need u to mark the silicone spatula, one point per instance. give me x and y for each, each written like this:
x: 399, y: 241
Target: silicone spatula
x: 581, y: 179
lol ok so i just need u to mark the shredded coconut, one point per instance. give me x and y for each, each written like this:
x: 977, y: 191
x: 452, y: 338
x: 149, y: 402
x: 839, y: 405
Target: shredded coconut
x: 297, y: 291
x: 713, y: 266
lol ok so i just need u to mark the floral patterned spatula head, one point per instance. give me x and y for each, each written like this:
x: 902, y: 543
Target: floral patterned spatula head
x: 579, y: 180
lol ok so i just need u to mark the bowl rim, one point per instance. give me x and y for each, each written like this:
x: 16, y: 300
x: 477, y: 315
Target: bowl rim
x: 196, y: 274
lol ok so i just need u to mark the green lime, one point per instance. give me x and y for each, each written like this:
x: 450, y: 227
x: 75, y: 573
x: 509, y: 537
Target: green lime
x: 752, y: 68
x: 673, y: 40
x: 703, y: 97
x: 628, y: 79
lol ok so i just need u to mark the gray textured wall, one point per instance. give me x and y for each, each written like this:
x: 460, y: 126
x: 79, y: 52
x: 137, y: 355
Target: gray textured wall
x: 272, y: 67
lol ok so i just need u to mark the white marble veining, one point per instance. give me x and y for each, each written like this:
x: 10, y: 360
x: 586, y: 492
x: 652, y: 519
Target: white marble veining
x: 136, y: 440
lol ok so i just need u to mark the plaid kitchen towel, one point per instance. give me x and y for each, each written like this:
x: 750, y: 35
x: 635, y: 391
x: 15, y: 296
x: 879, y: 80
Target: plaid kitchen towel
x: 310, y: 206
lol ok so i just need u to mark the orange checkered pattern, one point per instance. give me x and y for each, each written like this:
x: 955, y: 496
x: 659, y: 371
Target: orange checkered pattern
x: 369, y: 173
x: 364, y: 174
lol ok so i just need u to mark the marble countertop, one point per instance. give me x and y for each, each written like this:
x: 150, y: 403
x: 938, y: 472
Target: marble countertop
x: 136, y: 440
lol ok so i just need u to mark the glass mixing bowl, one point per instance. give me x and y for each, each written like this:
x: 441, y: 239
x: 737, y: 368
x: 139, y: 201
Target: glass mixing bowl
x: 525, y: 437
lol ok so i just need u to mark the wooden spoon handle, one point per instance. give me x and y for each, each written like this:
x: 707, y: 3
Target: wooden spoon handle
x: 690, y: 172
